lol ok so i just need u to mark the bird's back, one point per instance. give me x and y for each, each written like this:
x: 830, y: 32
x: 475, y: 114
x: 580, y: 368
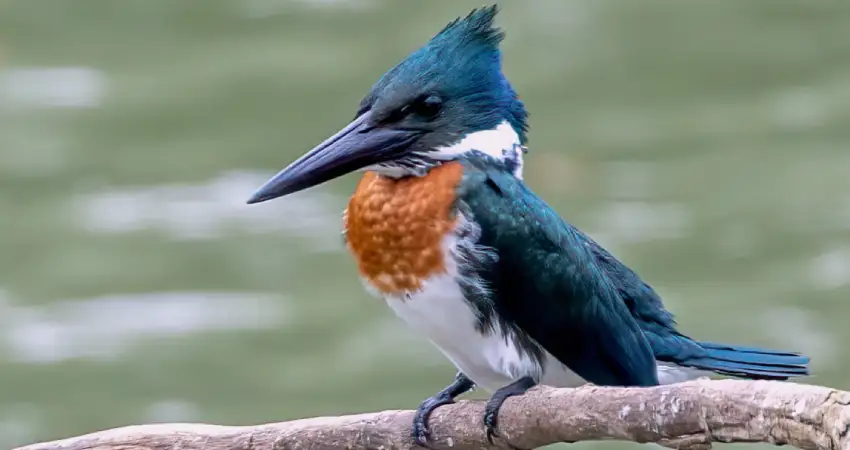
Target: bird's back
x: 548, y: 283
x: 560, y: 251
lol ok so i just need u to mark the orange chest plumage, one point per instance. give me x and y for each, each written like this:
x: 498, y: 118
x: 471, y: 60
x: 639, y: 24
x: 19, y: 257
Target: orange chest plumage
x: 396, y: 228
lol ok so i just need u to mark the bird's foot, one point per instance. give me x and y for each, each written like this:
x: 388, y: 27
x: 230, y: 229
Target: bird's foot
x: 420, y: 433
x: 491, y: 410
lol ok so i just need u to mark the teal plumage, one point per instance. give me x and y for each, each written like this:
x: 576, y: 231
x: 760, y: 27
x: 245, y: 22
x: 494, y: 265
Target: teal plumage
x: 579, y: 302
x: 522, y: 297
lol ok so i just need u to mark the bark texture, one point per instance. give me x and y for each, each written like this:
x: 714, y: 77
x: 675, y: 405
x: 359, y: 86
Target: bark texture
x: 687, y: 415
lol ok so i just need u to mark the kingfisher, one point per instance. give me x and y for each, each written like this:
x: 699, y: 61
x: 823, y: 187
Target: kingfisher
x: 443, y: 227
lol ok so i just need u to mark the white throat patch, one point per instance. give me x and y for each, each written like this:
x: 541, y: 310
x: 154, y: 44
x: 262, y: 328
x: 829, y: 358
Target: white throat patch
x: 501, y: 143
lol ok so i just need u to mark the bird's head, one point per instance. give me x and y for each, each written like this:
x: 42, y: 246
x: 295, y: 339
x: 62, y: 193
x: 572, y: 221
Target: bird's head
x: 447, y: 98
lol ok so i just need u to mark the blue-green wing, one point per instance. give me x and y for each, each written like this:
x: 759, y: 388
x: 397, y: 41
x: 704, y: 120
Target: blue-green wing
x: 549, y: 284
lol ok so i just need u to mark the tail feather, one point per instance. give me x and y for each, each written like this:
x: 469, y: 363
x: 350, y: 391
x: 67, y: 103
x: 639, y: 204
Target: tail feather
x: 749, y: 362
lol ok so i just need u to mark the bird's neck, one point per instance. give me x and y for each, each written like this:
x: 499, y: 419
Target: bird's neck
x: 501, y: 142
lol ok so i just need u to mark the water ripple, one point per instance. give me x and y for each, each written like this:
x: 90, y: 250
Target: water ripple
x: 207, y: 210
x: 105, y: 327
x: 52, y: 87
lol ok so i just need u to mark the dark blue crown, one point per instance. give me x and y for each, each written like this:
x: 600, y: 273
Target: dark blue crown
x: 462, y: 61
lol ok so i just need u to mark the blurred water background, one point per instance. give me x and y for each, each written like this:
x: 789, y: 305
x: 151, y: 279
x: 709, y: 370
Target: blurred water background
x: 706, y: 143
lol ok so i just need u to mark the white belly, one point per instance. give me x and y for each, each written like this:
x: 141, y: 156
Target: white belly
x: 440, y: 312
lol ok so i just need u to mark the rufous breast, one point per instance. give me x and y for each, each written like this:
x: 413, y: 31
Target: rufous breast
x: 397, y: 228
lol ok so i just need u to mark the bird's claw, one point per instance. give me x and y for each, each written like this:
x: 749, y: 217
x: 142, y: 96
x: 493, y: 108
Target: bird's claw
x: 491, y: 409
x: 491, y: 421
x: 420, y: 433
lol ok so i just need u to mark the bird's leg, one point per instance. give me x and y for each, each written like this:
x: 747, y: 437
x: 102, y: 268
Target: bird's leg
x: 491, y: 410
x: 420, y: 432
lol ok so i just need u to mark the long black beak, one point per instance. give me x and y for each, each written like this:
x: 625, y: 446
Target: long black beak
x: 356, y: 146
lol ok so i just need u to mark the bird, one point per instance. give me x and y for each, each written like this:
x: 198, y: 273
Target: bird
x: 444, y: 228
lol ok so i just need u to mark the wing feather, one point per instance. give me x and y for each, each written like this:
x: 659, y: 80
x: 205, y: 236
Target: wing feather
x: 550, y: 285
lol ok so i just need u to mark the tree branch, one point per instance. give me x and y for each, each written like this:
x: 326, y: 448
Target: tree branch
x: 686, y: 415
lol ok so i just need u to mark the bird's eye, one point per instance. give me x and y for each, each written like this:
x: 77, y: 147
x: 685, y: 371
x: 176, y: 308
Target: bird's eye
x: 427, y: 106
x: 424, y: 107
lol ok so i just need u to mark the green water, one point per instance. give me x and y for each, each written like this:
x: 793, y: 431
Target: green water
x: 707, y: 144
